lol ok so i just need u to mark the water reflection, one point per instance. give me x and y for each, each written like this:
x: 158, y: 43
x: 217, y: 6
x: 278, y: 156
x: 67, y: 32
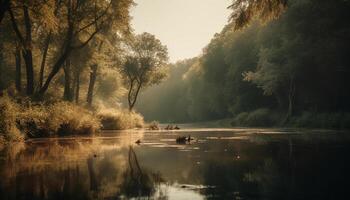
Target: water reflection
x: 217, y: 165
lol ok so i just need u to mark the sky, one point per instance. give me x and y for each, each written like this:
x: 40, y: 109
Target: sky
x: 185, y: 26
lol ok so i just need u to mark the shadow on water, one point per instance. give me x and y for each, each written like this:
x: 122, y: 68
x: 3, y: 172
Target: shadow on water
x: 216, y: 165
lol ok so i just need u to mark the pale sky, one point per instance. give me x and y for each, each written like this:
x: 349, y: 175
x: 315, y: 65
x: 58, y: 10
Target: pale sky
x: 185, y: 26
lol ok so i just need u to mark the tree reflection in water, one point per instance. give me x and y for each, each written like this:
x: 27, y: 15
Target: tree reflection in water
x: 229, y: 166
x: 138, y: 182
x: 74, y: 171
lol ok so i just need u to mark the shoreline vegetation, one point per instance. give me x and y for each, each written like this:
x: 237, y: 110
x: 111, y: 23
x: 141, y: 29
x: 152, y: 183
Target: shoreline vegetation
x: 62, y: 72
x: 21, y: 119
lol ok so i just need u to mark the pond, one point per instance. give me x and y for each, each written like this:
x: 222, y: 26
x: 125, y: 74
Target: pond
x: 216, y: 164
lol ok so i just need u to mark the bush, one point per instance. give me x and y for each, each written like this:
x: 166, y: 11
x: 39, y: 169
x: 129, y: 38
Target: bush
x: 39, y: 120
x: 240, y: 119
x: 262, y: 117
x: 8, y: 121
x: 120, y: 120
x: 60, y: 118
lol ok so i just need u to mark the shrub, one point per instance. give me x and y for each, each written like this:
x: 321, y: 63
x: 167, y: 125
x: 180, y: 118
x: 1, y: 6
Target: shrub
x: 120, y: 119
x: 39, y: 120
x: 261, y: 117
x: 240, y: 119
x: 8, y: 121
x: 60, y: 118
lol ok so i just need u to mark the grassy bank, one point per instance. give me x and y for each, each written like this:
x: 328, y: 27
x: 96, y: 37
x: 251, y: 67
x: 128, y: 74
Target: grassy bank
x: 21, y: 119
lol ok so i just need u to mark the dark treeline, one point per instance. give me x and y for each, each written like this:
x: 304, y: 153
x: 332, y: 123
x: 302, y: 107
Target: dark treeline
x: 290, y: 70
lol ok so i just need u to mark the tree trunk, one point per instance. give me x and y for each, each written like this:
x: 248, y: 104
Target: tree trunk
x: 28, y: 57
x: 133, y: 97
x: 291, y: 96
x: 77, y: 89
x: 56, y: 68
x: 67, y: 95
x: 93, y: 75
x: 43, y: 60
x: 18, y: 69
x: 130, y: 93
x: 28, y: 60
x: 65, y: 55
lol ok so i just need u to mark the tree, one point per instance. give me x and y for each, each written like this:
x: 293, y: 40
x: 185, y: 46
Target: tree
x: 145, y: 65
x: 26, y: 42
x: 83, y: 20
x: 244, y: 11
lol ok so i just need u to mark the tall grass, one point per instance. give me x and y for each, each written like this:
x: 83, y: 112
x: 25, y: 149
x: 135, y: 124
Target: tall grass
x: 113, y: 119
x: 27, y: 120
x: 8, y: 125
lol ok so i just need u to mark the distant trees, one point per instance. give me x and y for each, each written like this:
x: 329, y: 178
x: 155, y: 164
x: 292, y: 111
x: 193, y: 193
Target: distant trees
x: 291, y: 65
x: 144, y: 65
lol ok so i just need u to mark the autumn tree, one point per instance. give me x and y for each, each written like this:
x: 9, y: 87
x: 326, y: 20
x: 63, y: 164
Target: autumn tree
x: 85, y: 20
x: 145, y: 65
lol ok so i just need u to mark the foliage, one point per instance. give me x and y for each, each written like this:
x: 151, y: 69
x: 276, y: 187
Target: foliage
x: 144, y: 65
x: 60, y: 118
x: 120, y: 120
x: 40, y: 120
x: 244, y: 11
x: 8, y: 121
x: 262, y: 118
x: 294, y: 64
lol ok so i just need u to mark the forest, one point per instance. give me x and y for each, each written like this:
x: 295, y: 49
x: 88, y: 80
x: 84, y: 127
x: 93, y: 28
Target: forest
x: 75, y: 66
x: 289, y: 71
x: 174, y: 99
x: 67, y: 66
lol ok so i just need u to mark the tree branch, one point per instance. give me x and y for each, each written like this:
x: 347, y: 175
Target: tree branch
x: 95, y: 20
x: 87, y: 41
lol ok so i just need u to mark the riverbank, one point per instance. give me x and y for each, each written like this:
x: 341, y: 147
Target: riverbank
x: 21, y: 119
x: 267, y: 118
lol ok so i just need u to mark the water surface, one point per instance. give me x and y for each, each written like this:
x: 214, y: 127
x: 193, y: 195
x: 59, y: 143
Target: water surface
x: 217, y: 164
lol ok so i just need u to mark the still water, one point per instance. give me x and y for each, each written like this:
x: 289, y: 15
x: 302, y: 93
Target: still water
x: 217, y: 164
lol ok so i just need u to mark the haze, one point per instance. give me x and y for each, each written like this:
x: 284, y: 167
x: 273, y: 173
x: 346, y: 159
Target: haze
x: 185, y: 26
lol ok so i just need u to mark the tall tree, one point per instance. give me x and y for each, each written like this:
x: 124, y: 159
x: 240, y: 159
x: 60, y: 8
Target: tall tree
x: 26, y: 43
x: 145, y: 65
